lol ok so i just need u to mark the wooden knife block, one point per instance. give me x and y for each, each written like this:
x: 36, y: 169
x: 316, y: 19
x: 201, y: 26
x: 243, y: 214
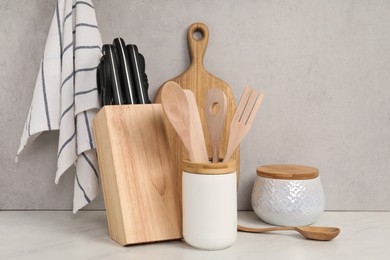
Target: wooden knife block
x: 139, y: 178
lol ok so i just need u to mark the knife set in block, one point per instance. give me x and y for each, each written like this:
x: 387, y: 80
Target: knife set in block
x: 139, y: 178
x: 121, y: 77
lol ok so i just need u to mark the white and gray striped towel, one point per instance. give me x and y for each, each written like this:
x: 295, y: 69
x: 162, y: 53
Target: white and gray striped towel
x: 65, y: 96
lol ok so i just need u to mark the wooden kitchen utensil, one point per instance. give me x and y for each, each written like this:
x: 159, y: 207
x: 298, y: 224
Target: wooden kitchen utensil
x: 199, y: 81
x: 139, y: 180
x: 310, y: 232
x: 175, y: 105
x: 243, y: 118
x: 197, y: 137
x: 215, y: 110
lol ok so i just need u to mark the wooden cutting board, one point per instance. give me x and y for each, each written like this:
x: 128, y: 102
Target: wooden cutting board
x: 199, y: 81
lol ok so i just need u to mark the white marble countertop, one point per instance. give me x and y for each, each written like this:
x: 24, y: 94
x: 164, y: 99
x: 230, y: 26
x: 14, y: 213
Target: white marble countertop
x: 62, y: 235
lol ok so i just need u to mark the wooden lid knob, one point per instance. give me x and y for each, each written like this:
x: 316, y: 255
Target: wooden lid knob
x: 287, y: 172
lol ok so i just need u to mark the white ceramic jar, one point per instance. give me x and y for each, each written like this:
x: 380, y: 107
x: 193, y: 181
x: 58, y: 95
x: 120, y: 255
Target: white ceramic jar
x: 288, y: 195
x: 209, y: 204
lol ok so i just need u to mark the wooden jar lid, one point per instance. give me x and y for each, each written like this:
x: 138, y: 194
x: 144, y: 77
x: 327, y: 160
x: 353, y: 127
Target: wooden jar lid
x: 209, y: 168
x: 287, y: 172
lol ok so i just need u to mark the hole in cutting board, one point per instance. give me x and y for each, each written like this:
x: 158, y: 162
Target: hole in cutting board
x: 215, y: 108
x: 197, y: 35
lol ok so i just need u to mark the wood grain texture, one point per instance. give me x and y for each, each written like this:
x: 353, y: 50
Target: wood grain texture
x: 199, y: 81
x: 197, y: 137
x: 176, y: 108
x: 215, y: 111
x: 242, y: 120
x: 310, y: 232
x: 139, y: 180
x: 209, y: 168
x: 287, y: 172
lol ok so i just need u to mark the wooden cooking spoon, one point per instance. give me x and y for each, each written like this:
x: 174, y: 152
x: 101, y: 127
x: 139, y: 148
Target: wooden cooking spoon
x: 310, y: 232
x: 215, y: 111
x: 175, y: 105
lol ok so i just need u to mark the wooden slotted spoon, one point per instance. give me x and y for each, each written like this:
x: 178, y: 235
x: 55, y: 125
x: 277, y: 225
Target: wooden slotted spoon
x: 215, y: 111
x: 242, y: 119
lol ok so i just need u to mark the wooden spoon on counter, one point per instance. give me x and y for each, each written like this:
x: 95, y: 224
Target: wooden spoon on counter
x: 309, y: 232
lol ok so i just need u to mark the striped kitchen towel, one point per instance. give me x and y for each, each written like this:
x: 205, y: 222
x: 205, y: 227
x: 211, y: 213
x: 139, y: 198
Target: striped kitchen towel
x: 65, y: 96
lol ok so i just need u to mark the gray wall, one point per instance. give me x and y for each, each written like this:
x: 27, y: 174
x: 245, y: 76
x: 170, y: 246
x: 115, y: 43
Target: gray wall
x: 324, y: 67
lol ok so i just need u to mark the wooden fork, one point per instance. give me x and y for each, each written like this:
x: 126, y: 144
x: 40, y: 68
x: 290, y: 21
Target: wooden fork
x: 242, y: 119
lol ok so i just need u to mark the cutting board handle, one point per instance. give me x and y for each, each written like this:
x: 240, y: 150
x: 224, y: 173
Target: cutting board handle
x: 197, y: 47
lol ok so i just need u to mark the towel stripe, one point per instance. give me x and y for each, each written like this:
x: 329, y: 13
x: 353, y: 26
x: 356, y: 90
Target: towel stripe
x: 65, y: 80
x: 73, y: 73
x: 74, y: 6
x: 66, y: 143
x: 59, y: 29
x: 29, y: 122
x: 82, y: 3
x: 88, y: 129
x: 85, y: 69
x: 67, y: 16
x: 82, y: 189
x: 85, y: 92
x: 45, y: 95
x: 67, y: 47
x: 67, y: 110
x: 88, y: 47
x: 87, y: 25
x: 90, y: 164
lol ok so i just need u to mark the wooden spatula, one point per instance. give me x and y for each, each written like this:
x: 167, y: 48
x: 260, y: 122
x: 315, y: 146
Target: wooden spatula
x: 242, y: 119
x: 215, y: 110
x: 197, y: 137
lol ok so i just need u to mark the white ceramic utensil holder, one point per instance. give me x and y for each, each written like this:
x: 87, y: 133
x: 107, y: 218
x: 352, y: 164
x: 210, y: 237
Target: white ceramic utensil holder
x: 209, y: 204
x: 288, y: 195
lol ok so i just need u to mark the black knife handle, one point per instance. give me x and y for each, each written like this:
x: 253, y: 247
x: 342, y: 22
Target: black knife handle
x: 99, y: 81
x: 107, y: 90
x: 138, y: 72
x: 125, y: 72
x: 144, y: 76
x: 104, y: 88
x: 112, y: 74
x: 101, y: 84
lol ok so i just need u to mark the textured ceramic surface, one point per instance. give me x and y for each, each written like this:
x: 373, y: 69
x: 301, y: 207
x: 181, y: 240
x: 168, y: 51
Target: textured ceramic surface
x: 288, y: 202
